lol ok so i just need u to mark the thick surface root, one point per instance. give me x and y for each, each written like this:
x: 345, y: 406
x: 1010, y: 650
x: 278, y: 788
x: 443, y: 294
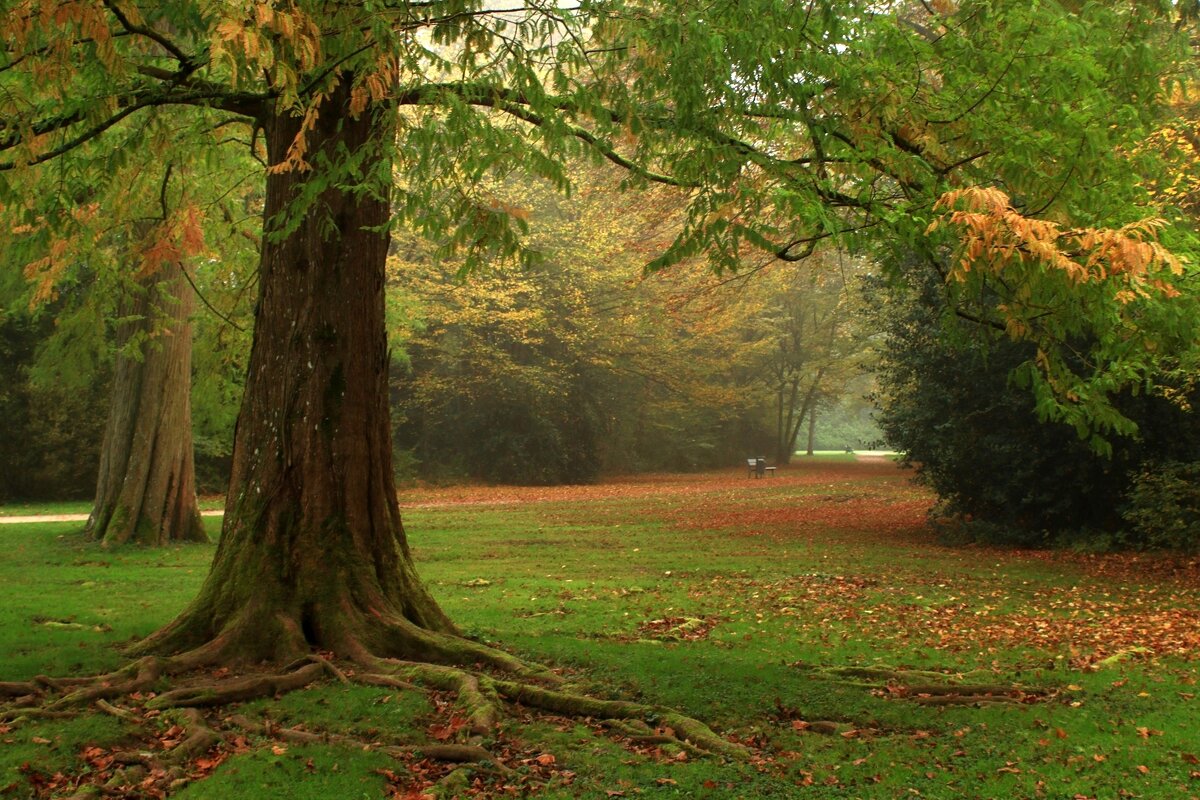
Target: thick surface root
x: 163, y: 759
x: 238, y: 690
x: 479, y: 699
x: 930, y: 688
x: 454, y: 753
x: 686, y: 730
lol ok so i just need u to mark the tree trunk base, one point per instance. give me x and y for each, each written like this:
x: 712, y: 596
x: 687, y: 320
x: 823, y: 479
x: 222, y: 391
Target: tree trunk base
x: 264, y: 632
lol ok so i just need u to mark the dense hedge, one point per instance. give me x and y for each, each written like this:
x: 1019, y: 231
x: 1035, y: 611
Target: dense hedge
x: 949, y: 402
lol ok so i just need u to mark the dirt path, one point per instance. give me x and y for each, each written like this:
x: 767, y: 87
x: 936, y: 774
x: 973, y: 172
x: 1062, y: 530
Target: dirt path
x: 76, y: 517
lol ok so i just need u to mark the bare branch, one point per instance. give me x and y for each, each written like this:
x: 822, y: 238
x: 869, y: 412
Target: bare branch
x: 141, y: 30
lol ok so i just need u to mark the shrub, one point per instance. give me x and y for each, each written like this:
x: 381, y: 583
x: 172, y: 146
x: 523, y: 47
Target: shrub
x: 1162, y: 507
x: 949, y: 402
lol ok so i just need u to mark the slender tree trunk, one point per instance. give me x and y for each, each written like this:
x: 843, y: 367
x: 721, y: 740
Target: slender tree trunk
x: 779, y: 424
x: 785, y: 441
x: 313, y: 554
x: 146, y: 492
x: 812, y: 427
x: 810, y: 401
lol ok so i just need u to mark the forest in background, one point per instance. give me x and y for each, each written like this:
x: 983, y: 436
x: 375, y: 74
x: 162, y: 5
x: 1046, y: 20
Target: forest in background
x: 579, y: 365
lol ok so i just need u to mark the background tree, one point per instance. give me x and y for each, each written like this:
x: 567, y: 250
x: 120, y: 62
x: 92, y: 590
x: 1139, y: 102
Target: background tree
x: 578, y: 365
x: 811, y: 343
x: 135, y: 292
x: 146, y: 491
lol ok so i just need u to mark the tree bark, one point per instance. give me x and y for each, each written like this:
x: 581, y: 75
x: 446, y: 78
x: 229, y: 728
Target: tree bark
x: 146, y: 491
x: 313, y: 554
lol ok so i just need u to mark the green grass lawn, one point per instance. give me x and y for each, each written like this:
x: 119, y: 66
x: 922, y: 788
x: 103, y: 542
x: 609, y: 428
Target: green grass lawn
x: 734, y: 600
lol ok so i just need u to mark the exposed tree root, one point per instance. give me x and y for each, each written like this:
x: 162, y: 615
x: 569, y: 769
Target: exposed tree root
x: 686, y: 729
x: 119, y: 713
x: 976, y: 700
x: 238, y: 690
x: 139, y: 676
x: 476, y: 695
x: 329, y: 667
x: 39, y: 685
x: 893, y: 674
x: 454, y: 753
x: 930, y: 688
x: 453, y: 785
x: 638, y: 732
x: 16, y: 716
x: 480, y: 698
x: 200, y: 739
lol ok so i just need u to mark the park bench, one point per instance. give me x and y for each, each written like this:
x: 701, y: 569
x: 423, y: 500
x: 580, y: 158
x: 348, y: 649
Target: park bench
x: 757, y: 467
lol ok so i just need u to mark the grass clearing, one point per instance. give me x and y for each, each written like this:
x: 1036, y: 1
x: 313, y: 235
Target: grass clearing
x: 733, y: 599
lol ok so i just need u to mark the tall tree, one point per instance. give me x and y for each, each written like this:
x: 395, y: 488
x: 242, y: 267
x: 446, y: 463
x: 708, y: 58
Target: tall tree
x: 130, y: 285
x: 790, y: 123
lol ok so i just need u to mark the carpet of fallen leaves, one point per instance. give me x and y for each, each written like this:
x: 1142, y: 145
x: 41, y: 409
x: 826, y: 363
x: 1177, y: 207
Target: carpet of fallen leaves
x: 632, y: 487
x: 1113, y: 605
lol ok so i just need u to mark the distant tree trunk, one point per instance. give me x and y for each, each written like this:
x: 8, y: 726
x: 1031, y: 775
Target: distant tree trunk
x: 146, y: 492
x: 786, y: 426
x: 812, y: 427
x: 313, y: 554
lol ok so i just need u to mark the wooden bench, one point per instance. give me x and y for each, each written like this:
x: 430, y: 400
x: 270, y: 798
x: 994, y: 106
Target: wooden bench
x: 757, y: 467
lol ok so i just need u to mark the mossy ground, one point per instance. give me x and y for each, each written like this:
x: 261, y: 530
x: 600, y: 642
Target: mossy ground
x: 717, y: 595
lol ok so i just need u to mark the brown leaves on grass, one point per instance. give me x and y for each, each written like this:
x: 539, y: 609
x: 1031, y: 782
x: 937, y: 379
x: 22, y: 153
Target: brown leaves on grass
x: 1119, y: 602
x: 977, y: 615
x: 678, y: 629
x: 881, y: 513
x: 425, y: 778
x: 1089, y: 635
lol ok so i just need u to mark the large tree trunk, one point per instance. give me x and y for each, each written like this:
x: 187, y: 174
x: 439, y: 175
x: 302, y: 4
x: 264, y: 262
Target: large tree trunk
x: 146, y: 492
x: 313, y: 554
